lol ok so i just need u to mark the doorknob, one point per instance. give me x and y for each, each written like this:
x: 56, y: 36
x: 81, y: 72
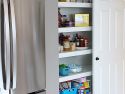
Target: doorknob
x: 97, y: 58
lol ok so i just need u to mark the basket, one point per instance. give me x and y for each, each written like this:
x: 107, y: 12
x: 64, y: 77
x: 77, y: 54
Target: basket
x: 64, y: 71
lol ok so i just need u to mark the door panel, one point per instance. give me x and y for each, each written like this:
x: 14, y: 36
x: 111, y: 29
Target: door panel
x: 109, y: 46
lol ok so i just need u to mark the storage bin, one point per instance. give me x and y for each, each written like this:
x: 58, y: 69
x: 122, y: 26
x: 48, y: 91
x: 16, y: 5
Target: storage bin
x: 64, y: 71
x: 69, y: 91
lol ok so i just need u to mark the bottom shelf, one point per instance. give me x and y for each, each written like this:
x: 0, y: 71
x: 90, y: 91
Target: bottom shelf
x: 87, y: 71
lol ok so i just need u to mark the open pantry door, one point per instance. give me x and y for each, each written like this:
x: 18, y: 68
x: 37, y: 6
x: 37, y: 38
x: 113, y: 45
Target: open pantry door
x: 109, y: 46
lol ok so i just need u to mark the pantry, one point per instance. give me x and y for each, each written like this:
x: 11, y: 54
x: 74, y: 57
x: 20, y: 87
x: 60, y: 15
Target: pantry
x: 85, y: 47
x: 75, y: 49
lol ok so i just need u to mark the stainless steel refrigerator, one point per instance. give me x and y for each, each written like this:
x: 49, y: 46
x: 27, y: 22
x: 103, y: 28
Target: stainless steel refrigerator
x: 22, y: 47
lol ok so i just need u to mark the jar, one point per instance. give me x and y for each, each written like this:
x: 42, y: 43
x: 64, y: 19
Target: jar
x: 66, y: 45
x: 81, y: 42
x: 72, y: 46
x: 86, y: 42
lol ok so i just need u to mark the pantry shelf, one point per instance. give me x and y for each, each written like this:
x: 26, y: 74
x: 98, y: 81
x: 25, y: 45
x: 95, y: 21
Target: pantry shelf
x: 75, y: 53
x: 74, y: 4
x: 74, y: 29
x: 87, y: 71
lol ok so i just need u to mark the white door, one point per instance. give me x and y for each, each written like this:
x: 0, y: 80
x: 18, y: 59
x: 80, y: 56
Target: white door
x: 109, y: 47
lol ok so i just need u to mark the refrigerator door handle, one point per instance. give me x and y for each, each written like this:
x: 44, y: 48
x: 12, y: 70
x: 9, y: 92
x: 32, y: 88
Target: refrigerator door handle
x: 2, y: 65
x: 6, y: 44
x: 13, y: 45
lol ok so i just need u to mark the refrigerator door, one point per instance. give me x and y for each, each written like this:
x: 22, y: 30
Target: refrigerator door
x: 31, y: 67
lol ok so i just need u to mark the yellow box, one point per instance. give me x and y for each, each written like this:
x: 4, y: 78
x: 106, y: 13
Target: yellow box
x: 86, y: 84
x: 81, y: 20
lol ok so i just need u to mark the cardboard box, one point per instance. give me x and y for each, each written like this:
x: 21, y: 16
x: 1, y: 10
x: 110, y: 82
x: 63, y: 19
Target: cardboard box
x: 81, y: 20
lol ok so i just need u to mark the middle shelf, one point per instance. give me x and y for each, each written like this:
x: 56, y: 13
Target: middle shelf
x: 74, y: 29
x: 87, y: 71
x: 75, y: 53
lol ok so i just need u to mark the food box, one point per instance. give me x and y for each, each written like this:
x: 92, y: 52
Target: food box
x: 69, y: 91
x: 76, y: 84
x: 87, y: 84
x: 81, y: 20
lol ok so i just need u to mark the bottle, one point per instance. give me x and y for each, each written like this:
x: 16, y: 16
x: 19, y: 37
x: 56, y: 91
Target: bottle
x: 77, y: 40
x: 61, y: 39
x: 59, y: 19
x: 64, y: 20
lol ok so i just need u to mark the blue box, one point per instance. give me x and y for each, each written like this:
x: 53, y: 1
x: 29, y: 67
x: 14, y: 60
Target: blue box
x: 69, y: 91
x: 76, y: 84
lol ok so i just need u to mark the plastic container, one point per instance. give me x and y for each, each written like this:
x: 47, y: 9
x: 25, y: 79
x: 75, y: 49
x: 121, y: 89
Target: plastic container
x: 69, y: 91
x: 74, y: 68
x: 64, y: 71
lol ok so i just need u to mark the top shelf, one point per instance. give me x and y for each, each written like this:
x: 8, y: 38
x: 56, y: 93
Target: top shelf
x: 74, y: 4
